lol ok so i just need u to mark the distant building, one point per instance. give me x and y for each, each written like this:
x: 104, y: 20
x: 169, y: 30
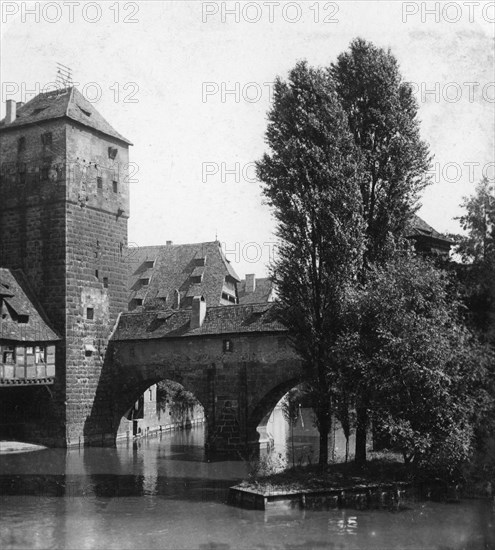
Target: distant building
x: 427, y: 240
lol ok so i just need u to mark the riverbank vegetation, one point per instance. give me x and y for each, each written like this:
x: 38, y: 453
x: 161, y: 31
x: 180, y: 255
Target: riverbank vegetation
x: 387, y: 337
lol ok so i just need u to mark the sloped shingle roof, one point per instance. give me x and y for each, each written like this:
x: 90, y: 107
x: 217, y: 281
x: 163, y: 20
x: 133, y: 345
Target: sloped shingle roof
x: 262, y: 292
x: 174, y: 265
x: 68, y: 102
x: 16, y: 294
x: 417, y: 227
x: 176, y: 323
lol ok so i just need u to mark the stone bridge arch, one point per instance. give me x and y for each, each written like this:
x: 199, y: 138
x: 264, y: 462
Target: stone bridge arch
x: 238, y: 378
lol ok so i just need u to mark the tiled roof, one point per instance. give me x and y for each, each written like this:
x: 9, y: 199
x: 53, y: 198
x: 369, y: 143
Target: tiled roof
x: 219, y: 320
x: 68, y: 102
x: 417, y: 227
x: 18, y: 299
x: 173, y: 267
x: 263, y: 292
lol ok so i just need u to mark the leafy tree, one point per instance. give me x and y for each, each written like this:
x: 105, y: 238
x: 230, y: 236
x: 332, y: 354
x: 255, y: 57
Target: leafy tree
x: 477, y: 250
x: 423, y: 370
x: 382, y: 113
x: 477, y: 276
x: 179, y: 401
x: 290, y: 410
x: 311, y: 180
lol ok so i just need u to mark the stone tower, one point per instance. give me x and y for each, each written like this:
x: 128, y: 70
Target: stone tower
x: 64, y: 206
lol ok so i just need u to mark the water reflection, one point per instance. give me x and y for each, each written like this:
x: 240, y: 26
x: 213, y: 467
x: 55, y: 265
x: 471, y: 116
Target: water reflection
x: 162, y: 493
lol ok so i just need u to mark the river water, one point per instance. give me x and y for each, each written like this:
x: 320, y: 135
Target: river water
x: 161, y: 492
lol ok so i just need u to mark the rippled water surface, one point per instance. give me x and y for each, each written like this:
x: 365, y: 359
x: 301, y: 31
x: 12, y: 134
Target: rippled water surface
x: 161, y: 493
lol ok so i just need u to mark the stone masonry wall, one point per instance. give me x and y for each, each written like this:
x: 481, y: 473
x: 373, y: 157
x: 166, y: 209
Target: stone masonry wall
x: 96, y: 246
x: 237, y: 389
x: 32, y: 238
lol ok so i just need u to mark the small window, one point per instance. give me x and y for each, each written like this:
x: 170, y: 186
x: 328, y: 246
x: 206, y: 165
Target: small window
x: 39, y: 355
x: 228, y: 346
x: 21, y: 144
x: 45, y: 170
x: 23, y: 319
x: 97, y: 274
x: 105, y: 282
x: 29, y: 350
x: 46, y: 139
x: 22, y: 173
x: 115, y: 186
x: 112, y: 153
x: 90, y: 313
x: 99, y: 182
x: 138, y: 301
x: 8, y: 354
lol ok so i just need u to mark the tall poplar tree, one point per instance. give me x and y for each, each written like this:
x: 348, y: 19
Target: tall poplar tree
x: 382, y: 115
x: 311, y: 180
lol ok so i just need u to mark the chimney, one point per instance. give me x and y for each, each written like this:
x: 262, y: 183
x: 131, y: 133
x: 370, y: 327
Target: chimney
x: 198, y: 311
x: 11, y: 111
x: 250, y: 283
x: 169, y: 243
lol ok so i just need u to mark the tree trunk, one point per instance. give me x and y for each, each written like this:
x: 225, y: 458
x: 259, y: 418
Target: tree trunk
x: 324, y: 425
x: 361, y: 428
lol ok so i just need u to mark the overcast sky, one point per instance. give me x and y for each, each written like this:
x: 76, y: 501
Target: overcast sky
x: 156, y: 71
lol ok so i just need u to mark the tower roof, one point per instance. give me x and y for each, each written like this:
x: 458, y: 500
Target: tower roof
x: 68, y: 102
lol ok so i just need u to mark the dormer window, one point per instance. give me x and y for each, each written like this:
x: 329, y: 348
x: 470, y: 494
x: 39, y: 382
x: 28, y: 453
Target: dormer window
x: 112, y: 152
x: 196, y: 279
x: 138, y: 302
x: 145, y: 281
x: 149, y: 264
x: 38, y: 110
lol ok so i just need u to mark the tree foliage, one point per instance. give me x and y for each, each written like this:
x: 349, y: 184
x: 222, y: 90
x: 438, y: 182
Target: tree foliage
x: 382, y: 113
x: 477, y: 250
x: 311, y: 179
x: 424, y: 372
